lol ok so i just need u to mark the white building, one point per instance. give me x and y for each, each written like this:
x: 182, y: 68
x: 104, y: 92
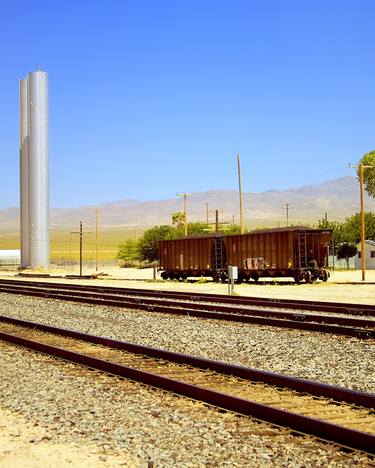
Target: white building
x: 10, y: 258
x: 370, y: 255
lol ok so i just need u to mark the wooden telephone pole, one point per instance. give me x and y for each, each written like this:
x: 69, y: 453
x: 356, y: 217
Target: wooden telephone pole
x: 217, y: 223
x: 81, y: 236
x: 362, y: 166
x: 97, y: 240
x: 185, y: 195
x: 240, y: 193
x: 286, y: 208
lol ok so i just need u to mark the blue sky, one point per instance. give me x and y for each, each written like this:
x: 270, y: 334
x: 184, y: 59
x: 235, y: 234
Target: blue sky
x: 148, y: 98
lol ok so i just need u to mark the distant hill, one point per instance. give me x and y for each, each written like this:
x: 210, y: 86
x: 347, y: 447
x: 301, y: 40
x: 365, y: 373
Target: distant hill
x: 338, y: 198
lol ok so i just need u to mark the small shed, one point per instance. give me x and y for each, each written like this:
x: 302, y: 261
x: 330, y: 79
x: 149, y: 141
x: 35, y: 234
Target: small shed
x: 10, y: 258
x: 370, y: 255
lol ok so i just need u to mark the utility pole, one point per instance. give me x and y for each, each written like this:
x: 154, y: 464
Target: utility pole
x: 96, y: 239
x: 185, y: 195
x: 362, y: 166
x: 240, y: 193
x: 217, y: 223
x: 363, y: 234
x: 286, y: 207
x: 207, y: 211
x: 80, y: 233
x: 80, y: 246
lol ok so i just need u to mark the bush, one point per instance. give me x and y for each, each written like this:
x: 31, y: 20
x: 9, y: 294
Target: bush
x: 128, y: 253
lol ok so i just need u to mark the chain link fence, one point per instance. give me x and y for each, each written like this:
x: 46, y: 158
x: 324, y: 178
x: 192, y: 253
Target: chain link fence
x: 73, y: 265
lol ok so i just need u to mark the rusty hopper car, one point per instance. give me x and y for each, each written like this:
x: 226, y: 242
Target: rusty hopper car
x: 190, y: 256
x: 298, y: 252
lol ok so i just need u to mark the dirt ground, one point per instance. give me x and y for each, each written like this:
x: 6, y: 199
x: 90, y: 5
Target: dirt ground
x: 24, y: 445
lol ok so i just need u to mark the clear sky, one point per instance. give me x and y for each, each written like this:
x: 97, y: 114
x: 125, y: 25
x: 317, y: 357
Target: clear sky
x: 151, y: 97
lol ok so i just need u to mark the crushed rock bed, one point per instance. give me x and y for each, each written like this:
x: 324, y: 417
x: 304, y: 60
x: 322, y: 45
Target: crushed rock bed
x: 128, y: 421
x: 336, y: 360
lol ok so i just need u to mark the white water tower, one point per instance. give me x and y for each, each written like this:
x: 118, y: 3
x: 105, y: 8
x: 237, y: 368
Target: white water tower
x: 34, y: 171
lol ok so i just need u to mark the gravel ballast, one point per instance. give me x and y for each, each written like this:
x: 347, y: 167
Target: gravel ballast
x: 129, y: 421
x: 336, y: 360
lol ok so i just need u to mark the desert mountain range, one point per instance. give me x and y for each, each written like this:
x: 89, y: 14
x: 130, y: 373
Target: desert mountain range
x: 338, y: 198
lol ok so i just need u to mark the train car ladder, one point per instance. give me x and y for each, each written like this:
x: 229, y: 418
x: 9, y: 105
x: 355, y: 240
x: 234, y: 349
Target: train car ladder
x: 302, y: 249
x: 219, y: 254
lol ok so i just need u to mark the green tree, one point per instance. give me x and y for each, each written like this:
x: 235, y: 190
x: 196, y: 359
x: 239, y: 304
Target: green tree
x: 369, y: 172
x: 351, y: 227
x: 129, y: 251
x: 349, y: 230
x: 346, y: 250
x: 178, y: 218
x: 194, y: 229
x: 231, y: 229
x: 148, y: 244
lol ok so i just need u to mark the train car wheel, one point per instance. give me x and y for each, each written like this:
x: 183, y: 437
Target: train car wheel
x: 297, y: 278
x: 325, y: 275
x: 308, y: 277
x: 239, y: 280
x: 223, y: 278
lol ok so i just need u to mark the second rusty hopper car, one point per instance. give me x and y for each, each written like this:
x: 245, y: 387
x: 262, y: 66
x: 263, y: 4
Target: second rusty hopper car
x: 298, y: 252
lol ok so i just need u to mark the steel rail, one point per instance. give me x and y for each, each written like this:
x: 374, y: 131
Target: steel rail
x: 297, y: 322
x: 293, y: 383
x: 304, y: 424
x: 321, y: 306
x: 108, y: 296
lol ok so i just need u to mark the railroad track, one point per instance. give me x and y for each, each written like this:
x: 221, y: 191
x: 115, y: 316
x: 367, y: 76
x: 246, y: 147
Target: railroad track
x: 331, y: 413
x: 340, y: 319
x: 318, y: 306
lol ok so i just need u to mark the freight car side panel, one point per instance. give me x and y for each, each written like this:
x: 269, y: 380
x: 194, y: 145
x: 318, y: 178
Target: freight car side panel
x: 186, y: 254
x: 260, y: 251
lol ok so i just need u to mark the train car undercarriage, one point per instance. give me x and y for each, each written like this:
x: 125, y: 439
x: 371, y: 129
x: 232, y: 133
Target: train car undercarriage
x: 307, y: 275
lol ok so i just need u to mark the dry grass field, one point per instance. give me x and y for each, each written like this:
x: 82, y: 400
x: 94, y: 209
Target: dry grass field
x: 9, y: 239
x: 65, y: 242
